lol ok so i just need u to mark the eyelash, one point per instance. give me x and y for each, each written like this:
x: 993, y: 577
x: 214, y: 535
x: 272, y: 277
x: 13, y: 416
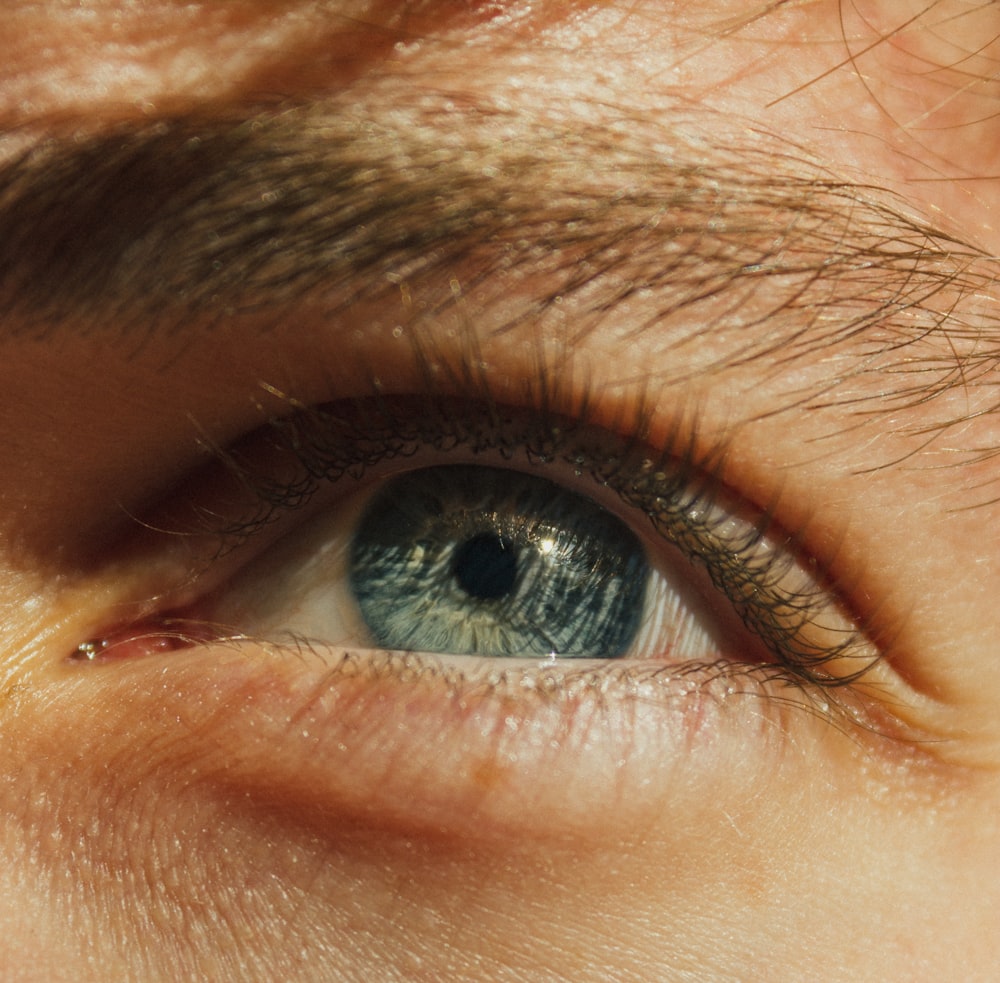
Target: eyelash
x: 676, y: 490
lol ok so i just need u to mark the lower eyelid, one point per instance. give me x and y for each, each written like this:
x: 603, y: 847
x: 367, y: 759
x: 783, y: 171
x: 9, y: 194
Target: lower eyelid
x: 426, y: 746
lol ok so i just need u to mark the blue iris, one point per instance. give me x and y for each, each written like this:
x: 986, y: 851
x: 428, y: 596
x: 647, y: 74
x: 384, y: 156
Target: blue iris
x: 482, y: 561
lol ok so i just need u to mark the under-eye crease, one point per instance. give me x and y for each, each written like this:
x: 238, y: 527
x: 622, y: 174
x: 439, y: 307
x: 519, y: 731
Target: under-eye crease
x: 795, y: 628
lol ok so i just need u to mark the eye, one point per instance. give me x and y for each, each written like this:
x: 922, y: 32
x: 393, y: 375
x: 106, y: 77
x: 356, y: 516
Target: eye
x: 466, y: 530
x: 450, y: 616
x: 475, y: 560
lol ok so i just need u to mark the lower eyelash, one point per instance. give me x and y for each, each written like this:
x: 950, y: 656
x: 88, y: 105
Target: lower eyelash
x: 687, y: 699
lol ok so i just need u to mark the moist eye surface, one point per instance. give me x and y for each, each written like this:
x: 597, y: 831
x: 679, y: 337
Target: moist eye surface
x: 484, y: 561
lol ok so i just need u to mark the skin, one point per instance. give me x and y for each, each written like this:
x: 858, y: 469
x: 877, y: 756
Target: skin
x: 236, y: 810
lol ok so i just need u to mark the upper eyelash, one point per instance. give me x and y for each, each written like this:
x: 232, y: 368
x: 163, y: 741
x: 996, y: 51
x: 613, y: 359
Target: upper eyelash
x: 668, y: 486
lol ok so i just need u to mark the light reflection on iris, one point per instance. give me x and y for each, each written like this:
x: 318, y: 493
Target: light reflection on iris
x: 477, y: 560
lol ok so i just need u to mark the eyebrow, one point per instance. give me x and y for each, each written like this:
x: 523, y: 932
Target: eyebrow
x: 195, y: 219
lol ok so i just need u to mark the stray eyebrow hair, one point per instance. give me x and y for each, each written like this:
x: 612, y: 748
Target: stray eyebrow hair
x: 194, y: 219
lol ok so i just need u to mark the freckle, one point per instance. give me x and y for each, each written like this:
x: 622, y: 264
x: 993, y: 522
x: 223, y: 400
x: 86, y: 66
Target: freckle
x: 488, y: 774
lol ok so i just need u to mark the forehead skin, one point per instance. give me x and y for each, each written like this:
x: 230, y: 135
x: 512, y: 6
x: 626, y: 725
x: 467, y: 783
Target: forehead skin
x: 910, y: 85
x: 879, y: 447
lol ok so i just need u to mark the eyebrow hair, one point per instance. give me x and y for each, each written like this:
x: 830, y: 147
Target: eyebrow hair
x: 199, y: 218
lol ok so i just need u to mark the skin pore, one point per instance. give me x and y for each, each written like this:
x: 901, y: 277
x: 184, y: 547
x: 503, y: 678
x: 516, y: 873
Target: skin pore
x: 249, y: 248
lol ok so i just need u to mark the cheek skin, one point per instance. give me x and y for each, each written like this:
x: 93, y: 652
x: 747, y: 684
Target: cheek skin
x: 187, y: 824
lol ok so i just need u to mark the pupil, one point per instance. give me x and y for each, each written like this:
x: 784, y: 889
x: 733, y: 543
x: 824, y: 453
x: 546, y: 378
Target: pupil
x: 485, y: 566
